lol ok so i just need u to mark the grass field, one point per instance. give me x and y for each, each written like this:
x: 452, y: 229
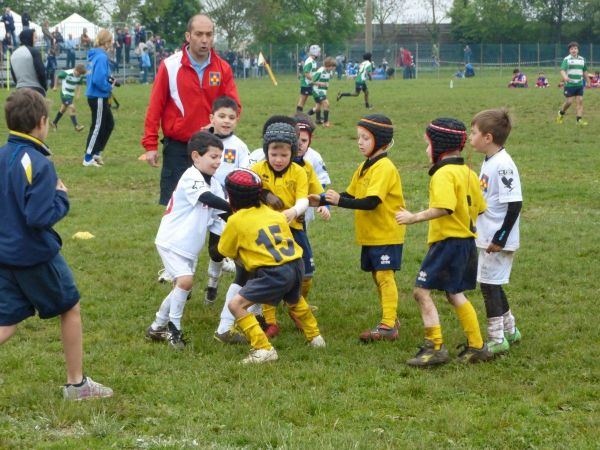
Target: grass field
x: 544, y: 394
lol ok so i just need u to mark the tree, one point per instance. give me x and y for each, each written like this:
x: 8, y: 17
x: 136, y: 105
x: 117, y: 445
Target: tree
x: 123, y: 10
x: 168, y: 18
x: 230, y: 17
x: 61, y: 9
x: 386, y: 11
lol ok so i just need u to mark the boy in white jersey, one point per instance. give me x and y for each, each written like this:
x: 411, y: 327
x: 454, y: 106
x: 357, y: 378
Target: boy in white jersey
x: 498, y: 227
x: 195, y: 208
x: 306, y: 77
x: 573, y: 72
x: 224, y: 119
x: 320, y: 85
x: 364, y: 73
x: 71, y: 80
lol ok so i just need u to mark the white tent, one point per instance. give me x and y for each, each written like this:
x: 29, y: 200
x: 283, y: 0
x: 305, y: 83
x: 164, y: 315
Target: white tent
x: 74, y: 25
x: 19, y: 27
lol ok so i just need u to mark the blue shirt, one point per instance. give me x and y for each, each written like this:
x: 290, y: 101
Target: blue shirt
x: 199, y: 68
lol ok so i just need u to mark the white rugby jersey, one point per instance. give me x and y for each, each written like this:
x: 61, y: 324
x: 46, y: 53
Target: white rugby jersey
x: 235, y: 156
x: 500, y: 184
x: 186, y: 220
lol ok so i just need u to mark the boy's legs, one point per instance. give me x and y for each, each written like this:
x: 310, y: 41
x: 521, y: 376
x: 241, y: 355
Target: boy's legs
x: 305, y: 316
x: 366, y: 92
x: 467, y: 317
x: 215, y: 268
x: 59, y: 115
x: 262, y: 350
x: 6, y: 332
x: 325, y: 105
x: 301, y: 102
x: 71, y: 330
x: 226, y: 332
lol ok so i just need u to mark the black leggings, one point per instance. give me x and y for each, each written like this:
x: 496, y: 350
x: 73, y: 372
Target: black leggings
x: 102, y: 125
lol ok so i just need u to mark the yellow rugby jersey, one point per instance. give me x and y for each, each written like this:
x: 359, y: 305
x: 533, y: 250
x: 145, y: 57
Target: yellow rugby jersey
x: 314, y: 185
x: 258, y: 237
x: 378, y: 226
x: 289, y: 187
x: 448, y: 189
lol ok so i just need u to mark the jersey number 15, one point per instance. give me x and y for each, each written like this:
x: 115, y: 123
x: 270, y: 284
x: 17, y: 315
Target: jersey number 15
x: 283, y: 246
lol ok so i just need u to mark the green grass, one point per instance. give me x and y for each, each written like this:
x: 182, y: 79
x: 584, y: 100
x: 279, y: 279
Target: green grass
x: 544, y: 394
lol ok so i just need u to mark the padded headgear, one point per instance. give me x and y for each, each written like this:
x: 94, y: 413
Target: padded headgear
x: 303, y: 123
x: 446, y: 135
x: 243, y: 189
x: 280, y: 132
x: 381, y: 129
x: 314, y: 50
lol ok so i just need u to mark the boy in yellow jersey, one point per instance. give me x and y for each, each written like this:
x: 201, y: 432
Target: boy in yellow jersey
x: 286, y: 185
x: 455, y: 201
x: 261, y: 240
x: 375, y: 192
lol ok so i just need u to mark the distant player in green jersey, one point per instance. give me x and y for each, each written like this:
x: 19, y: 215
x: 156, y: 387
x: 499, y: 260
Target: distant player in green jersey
x: 364, y: 73
x: 71, y: 80
x: 306, y: 77
x: 573, y: 71
x: 320, y: 85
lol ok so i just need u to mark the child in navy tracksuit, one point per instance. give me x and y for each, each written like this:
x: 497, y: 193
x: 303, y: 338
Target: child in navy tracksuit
x: 34, y: 277
x: 98, y: 92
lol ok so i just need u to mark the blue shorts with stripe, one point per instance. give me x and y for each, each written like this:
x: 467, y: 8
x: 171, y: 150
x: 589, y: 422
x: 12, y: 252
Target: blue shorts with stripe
x: 450, y: 265
x: 301, y: 239
x: 381, y: 257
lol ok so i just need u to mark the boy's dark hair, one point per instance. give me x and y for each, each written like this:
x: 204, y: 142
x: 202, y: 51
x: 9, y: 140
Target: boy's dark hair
x: 201, y: 140
x: 516, y: 71
x: 367, y: 56
x: 24, y: 110
x: 224, y: 102
x: 80, y: 68
x: 26, y: 37
x: 572, y: 44
x: 243, y: 189
x: 497, y: 122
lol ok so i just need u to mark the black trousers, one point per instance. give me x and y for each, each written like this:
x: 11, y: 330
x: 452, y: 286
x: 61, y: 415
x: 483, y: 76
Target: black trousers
x: 175, y: 161
x: 102, y: 125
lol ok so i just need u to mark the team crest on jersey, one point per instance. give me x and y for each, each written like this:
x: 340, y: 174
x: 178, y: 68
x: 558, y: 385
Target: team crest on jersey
x: 484, y: 182
x: 229, y: 155
x: 214, y: 78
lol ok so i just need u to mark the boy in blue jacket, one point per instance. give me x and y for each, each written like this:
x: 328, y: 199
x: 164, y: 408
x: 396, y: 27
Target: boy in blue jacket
x: 33, y: 274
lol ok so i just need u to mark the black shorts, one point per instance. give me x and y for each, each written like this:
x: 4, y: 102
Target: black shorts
x: 306, y: 90
x: 271, y: 284
x: 381, y: 257
x: 175, y: 161
x: 450, y: 265
x: 301, y: 239
x: 48, y: 288
x: 67, y: 101
x: 361, y: 87
x: 574, y: 91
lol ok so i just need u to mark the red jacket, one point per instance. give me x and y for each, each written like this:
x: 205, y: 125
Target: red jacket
x: 178, y: 103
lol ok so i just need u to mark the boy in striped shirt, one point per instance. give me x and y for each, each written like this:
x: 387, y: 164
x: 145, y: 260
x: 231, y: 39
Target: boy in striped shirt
x: 71, y: 80
x: 573, y: 71
x: 321, y: 80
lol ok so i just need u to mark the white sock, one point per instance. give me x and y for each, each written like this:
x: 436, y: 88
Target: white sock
x: 495, y: 329
x: 255, y: 309
x: 162, y: 315
x: 215, y: 269
x: 509, y: 322
x: 178, y: 299
x: 227, y: 319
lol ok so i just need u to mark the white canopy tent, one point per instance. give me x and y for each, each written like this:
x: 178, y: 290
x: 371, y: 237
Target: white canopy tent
x: 74, y: 25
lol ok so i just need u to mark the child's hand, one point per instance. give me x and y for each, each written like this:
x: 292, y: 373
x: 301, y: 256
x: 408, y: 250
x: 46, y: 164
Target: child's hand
x: 324, y: 212
x: 493, y: 248
x: 332, y: 197
x: 290, y: 214
x: 404, y: 217
x: 60, y: 186
x: 314, y: 200
x: 274, y: 202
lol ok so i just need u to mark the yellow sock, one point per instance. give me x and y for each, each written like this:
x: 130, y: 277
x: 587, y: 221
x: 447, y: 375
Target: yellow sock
x: 306, y: 286
x: 388, y: 296
x: 270, y: 314
x: 304, y: 314
x: 253, y: 332
x: 434, y: 334
x: 468, y: 319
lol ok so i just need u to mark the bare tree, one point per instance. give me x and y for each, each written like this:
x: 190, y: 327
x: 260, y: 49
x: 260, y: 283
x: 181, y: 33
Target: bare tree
x: 387, y: 11
x: 230, y: 17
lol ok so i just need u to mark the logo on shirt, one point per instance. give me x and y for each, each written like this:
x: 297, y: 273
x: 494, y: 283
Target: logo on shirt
x: 385, y: 260
x: 229, y: 155
x: 507, y: 182
x: 422, y: 276
x: 214, y: 78
x: 198, y: 184
x: 484, y: 182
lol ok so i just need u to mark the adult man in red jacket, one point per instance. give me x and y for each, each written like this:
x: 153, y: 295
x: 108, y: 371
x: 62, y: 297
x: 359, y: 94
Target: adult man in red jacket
x: 185, y: 87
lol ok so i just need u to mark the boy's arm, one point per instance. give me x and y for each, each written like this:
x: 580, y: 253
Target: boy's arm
x: 501, y: 236
x: 404, y: 217
x: 47, y: 200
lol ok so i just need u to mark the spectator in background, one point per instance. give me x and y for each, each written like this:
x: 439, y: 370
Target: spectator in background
x: 58, y: 37
x: 519, y: 79
x: 9, y: 24
x: 25, y: 19
x: 435, y: 55
x: 7, y: 43
x: 140, y: 34
x: 127, y: 43
x: 146, y: 64
x: 339, y: 66
x: 69, y: 47
x: 85, y: 42
x: 26, y: 65
x: 118, y: 45
x: 246, y: 66
x: 469, y: 70
x: 407, y: 63
x: 159, y: 44
x: 48, y: 38
x: 542, y: 81
x: 468, y: 53
x: 51, y: 64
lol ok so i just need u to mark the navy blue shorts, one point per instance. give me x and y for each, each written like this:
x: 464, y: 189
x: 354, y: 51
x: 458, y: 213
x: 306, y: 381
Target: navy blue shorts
x: 381, y: 257
x: 450, y: 265
x: 271, y: 284
x: 301, y: 239
x: 175, y: 161
x: 306, y: 90
x: 67, y: 101
x: 360, y: 87
x: 319, y: 98
x: 47, y: 288
x: 576, y: 91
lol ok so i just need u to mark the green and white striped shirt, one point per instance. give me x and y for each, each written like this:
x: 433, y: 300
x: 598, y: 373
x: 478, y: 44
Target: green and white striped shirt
x: 574, y: 68
x: 321, y: 75
x: 310, y: 66
x: 70, y: 82
x: 365, y: 68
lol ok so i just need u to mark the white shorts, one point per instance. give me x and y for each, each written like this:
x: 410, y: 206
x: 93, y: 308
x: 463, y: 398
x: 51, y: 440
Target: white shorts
x: 175, y: 264
x: 494, y: 268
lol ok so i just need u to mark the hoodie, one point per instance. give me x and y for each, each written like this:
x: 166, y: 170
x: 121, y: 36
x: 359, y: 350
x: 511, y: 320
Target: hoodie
x: 26, y: 65
x: 98, y: 74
